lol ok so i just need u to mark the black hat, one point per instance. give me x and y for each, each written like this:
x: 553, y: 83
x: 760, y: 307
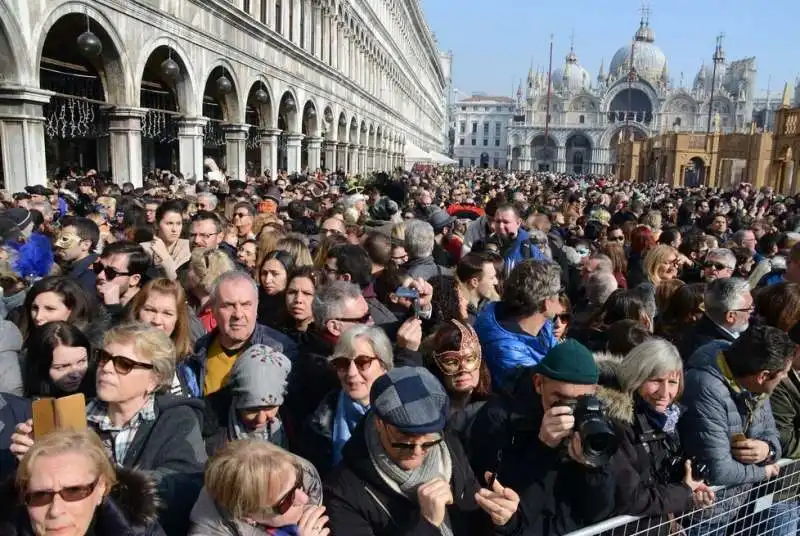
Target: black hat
x: 274, y: 193
x: 36, y: 189
x: 20, y: 216
x: 9, y: 232
x: 439, y: 219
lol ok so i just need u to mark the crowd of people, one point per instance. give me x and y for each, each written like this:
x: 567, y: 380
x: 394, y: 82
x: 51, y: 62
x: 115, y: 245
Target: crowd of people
x: 443, y: 352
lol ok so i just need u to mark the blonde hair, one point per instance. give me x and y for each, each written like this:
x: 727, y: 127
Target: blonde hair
x: 181, y: 335
x: 399, y: 231
x: 268, y: 241
x: 653, y: 220
x: 295, y: 245
x: 654, y: 258
x: 150, y: 344
x: 208, y: 265
x: 246, y: 477
x: 83, y: 442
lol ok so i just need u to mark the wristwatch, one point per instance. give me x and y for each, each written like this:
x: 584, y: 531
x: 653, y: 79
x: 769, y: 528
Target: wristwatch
x: 771, y: 456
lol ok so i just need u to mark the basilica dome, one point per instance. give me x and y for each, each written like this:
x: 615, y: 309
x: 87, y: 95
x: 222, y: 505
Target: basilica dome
x: 649, y: 60
x: 571, y: 77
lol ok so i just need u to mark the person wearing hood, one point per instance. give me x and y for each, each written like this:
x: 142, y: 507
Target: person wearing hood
x: 249, y: 405
x: 641, y: 390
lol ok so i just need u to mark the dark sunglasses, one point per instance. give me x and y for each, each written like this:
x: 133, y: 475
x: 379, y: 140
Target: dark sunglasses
x: 564, y: 317
x: 620, y: 238
x: 715, y: 265
x: 286, y: 502
x: 111, y: 273
x: 412, y: 447
x: 360, y: 320
x: 342, y: 364
x: 69, y: 494
x: 122, y: 364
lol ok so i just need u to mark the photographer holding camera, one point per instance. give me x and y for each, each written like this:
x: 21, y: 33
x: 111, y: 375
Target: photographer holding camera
x: 547, y: 438
x: 654, y: 477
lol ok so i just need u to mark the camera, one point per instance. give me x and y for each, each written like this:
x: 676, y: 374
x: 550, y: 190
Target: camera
x: 598, y: 438
x: 675, y: 470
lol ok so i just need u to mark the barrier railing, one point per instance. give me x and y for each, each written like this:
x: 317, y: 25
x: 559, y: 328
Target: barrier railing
x: 769, y: 508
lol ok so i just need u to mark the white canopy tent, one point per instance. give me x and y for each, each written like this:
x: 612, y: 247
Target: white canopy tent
x: 441, y: 159
x: 415, y: 155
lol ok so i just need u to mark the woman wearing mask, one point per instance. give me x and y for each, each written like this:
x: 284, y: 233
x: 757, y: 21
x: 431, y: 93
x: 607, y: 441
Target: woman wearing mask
x: 641, y: 392
x: 273, y: 275
x: 60, y: 362
x: 362, y: 355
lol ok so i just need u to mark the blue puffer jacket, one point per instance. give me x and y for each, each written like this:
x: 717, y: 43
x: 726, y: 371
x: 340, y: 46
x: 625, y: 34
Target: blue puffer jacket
x: 505, y: 350
x: 514, y: 254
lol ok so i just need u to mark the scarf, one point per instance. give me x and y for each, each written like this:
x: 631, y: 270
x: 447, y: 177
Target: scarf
x: 667, y: 422
x: 272, y: 433
x: 348, y: 414
x: 437, y: 464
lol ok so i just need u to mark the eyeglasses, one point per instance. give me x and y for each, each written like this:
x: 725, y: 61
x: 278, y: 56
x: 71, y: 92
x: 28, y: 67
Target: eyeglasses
x: 241, y: 214
x: 564, y: 318
x: 744, y: 310
x: 329, y: 232
x: 401, y: 258
x: 716, y: 266
x: 412, y: 447
x: 618, y: 238
x: 287, y: 501
x: 452, y: 366
x: 69, y: 494
x: 110, y: 271
x: 360, y: 320
x: 204, y: 236
x: 123, y: 365
x: 362, y: 362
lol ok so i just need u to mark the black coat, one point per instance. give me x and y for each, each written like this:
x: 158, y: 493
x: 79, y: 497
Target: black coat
x: 353, y: 489
x: 704, y: 332
x: 316, y: 437
x: 129, y: 510
x: 13, y: 410
x: 312, y: 377
x: 557, y: 495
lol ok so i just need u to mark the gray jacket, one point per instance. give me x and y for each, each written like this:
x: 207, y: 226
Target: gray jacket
x: 10, y: 347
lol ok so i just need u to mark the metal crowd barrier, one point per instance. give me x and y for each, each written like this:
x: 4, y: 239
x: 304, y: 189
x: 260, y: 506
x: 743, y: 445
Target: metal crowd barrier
x: 769, y: 508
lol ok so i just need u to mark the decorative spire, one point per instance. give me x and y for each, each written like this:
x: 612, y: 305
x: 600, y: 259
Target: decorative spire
x: 664, y: 75
x: 601, y: 76
x: 786, y: 102
x: 719, y: 52
x: 571, y: 57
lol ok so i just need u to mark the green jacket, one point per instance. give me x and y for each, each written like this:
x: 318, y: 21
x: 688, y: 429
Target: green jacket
x: 786, y: 410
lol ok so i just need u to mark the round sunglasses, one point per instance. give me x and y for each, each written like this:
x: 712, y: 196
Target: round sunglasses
x: 362, y: 362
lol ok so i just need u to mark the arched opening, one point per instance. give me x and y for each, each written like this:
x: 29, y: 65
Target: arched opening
x: 163, y: 75
x: 631, y: 105
x: 543, y: 153
x: 613, y: 147
x: 9, y: 67
x: 309, y: 128
x: 219, y: 107
x: 578, y: 154
x: 582, y: 119
x: 341, y: 128
x: 258, y: 116
x: 287, y: 121
x: 694, y: 173
x: 484, y: 160
x: 85, y: 76
x: 516, y: 154
x: 353, y: 140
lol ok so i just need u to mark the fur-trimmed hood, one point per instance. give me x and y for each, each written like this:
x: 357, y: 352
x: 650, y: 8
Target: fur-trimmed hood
x: 619, y: 406
x: 131, y: 508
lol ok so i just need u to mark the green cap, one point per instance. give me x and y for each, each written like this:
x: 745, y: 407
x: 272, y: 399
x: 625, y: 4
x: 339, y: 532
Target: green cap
x: 570, y: 362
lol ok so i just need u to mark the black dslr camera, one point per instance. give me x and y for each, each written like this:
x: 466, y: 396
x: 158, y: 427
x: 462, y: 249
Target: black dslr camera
x: 599, y: 440
x: 675, y: 470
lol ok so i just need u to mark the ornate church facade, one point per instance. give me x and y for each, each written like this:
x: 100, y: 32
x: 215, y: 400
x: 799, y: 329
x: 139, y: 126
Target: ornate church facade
x: 635, y: 99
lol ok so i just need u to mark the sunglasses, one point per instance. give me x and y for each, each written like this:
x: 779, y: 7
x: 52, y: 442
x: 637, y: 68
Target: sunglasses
x: 69, y: 494
x: 564, y: 318
x: 287, y: 501
x: 111, y: 273
x: 360, y: 320
x: 241, y: 214
x: 412, y: 447
x: 715, y: 265
x: 362, y: 362
x: 451, y: 365
x: 620, y: 238
x: 122, y: 364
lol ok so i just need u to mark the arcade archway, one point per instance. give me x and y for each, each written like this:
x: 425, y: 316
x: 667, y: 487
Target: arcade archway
x: 694, y: 173
x: 543, y: 153
x: 631, y: 105
x: 579, y: 154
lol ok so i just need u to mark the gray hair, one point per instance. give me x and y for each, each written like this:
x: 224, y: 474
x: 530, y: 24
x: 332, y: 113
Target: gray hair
x: 329, y: 300
x: 376, y: 337
x: 210, y: 198
x: 229, y: 277
x: 599, y: 287
x: 540, y: 238
x: 724, y: 255
x: 419, y: 239
x: 723, y: 295
x: 649, y: 359
x: 604, y: 263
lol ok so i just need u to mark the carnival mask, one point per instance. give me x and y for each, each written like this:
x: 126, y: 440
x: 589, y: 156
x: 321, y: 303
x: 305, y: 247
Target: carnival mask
x: 67, y: 241
x: 466, y: 359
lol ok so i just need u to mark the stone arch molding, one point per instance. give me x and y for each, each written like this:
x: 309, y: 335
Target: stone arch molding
x: 118, y: 83
x: 268, y: 111
x: 14, y: 47
x: 190, y: 94
x: 235, y: 112
x: 644, y: 87
x: 294, y: 119
x: 605, y: 138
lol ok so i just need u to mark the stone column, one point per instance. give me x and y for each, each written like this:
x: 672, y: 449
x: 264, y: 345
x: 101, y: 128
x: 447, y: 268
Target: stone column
x: 190, y: 146
x: 335, y: 44
x: 314, y: 148
x: 317, y: 31
x: 330, y: 155
x: 125, y: 137
x: 235, y: 139
x: 293, y: 153
x: 324, y: 36
x: 352, y: 150
x: 295, y: 21
x: 370, y: 159
x: 341, y: 156
x: 362, y: 159
x: 270, y: 13
x: 285, y: 18
x: 22, y: 137
x: 269, y: 151
x: 561, y: 159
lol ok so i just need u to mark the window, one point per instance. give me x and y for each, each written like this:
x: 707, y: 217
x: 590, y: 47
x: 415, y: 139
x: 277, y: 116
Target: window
x: 548, y: 118
x: 460, y: 162
x: 486, y: 109
x: 499, y: 108
x: 496, y: 162
x: 582, y: 119
x: 278, y: 16
x: 263, y: 11
x: 485, y: 142
x: 463, y: 108
x: 246, y: 6
x: 474, y: 127
x: 475, y: 108
x: 472, y: 162
x: 497, y: 128
x: 497, y: 142
x: 461, y: 141
x: 473, y: 141
x: 677, y: 122
x: 486, y: 129
x: 462, y: 127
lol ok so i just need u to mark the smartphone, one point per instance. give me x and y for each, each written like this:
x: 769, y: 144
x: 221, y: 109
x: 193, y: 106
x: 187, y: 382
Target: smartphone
x: 412, y: 294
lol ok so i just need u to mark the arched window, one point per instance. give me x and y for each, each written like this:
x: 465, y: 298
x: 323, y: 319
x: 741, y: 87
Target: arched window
x: 582, y: 119
x: 678, y: 122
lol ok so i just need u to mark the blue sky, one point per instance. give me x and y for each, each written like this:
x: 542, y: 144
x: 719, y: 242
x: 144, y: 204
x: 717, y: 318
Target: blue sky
x: 494, y: 41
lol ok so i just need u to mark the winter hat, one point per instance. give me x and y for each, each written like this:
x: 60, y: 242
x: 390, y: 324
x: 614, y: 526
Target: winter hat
x: 259, y: 377
x: 274, y: 193
x: 411, y: 399
x: 20, y: 216
x: 569, y: 362
x: 439, y: 219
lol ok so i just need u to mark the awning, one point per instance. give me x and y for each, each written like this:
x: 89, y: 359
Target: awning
x: 415, y: 155
x: 441, y: 159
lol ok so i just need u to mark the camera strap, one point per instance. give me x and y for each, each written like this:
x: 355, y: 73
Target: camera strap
x: 647, y: 434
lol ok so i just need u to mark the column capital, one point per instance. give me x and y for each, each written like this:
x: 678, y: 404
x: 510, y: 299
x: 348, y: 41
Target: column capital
x: 125, y: 112
x: 25, y: 93
x: 294, y: 137
x: 187, y: 122
x: 315, y: 141
x: 270, y: 132
x: 230, y: 128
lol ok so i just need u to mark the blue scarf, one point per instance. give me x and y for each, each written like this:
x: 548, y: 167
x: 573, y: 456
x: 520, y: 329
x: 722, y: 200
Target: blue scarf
x: 667, y: 422
x: 348, y: 414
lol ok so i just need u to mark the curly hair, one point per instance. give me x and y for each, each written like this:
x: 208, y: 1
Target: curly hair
x: 528, y: 285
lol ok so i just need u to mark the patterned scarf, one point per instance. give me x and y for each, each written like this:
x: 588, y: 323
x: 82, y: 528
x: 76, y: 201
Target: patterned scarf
x: 667, y: 421
x: 348, y: 414
x: 437, y: 464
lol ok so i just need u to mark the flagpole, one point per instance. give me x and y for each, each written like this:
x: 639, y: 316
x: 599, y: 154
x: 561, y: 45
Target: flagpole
x: 549, y: 91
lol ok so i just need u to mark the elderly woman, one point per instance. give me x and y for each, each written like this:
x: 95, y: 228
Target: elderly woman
x: 641, y: 390
x: 362, y: 354
x: 93, y: 499
x: 255, y: 488
x: 249, y: 404
x: 162, y: 432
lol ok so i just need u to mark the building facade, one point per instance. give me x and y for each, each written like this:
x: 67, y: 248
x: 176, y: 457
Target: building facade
x: 480, y: 125
x: 635, y: 98
x: 127, y: 85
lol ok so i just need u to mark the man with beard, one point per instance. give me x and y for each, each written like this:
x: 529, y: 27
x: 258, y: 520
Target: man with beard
x: 75, y: 250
